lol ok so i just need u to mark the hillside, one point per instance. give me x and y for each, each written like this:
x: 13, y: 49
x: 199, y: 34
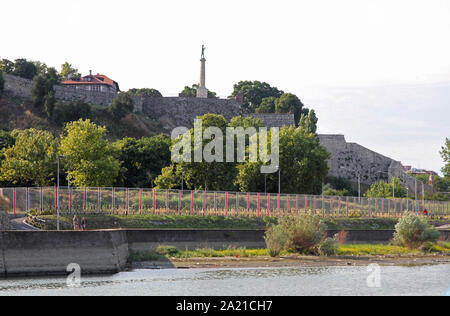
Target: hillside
x: 17, y: 113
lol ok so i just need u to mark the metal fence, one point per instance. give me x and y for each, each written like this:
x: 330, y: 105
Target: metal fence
x: 126, y: 201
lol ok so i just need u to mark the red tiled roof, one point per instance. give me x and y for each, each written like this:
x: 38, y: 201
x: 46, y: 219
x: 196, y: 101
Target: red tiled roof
x: 95, y: 79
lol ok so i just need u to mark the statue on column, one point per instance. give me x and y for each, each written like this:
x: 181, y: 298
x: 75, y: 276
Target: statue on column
x: 203, y: 51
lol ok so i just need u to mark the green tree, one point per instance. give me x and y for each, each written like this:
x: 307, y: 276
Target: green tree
x: 382, y: 189
x: 69, y: 72
x: 121, y: 106
x: 143, y: 159
x: 91, y: 159
x: 6, y: 66
x: 145, y: 92
x: 442, y: 184
x: 31, y: 160
x: 191, y: 92
x: 290, y: 103
x: 303, y: 164
x: 24, y: 69
x: 6, y: 141
x: 49, y: 103
x: 445, y: 154
x: 168, y: 179
x: 254, y: 92
x: 267, y: 105
x: 70, y: 111
x: 309, y: 122
x: 2, y: 84
x: 43, y: 86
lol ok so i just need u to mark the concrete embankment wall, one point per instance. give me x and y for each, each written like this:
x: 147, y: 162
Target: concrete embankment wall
x: 45, y: 253
x: 33, y: 253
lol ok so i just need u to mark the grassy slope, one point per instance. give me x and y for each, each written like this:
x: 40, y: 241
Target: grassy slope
x: 174, y: 221
x: 16, y: 113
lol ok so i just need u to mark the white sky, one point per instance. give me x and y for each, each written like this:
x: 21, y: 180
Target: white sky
x: 344, y: 58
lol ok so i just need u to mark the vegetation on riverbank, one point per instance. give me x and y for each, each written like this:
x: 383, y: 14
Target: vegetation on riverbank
x: 355, y: 250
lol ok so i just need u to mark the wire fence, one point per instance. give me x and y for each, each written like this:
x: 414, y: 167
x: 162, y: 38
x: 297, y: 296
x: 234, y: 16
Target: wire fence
x: 125, y: 201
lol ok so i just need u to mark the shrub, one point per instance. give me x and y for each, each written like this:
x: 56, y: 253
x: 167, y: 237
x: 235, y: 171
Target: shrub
x: 304, y: 232
x: 413, y: 231
x: 328, y: 247
x: 167, y: 250
x: 276, y: 239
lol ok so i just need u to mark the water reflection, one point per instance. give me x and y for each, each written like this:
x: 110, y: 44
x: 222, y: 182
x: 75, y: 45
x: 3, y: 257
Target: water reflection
x: 426, y: 280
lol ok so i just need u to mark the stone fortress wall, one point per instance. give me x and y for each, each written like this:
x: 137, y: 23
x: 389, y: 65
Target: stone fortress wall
x: 347, y: 159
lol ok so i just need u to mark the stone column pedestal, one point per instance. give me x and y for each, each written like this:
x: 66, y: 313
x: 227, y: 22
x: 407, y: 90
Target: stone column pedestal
x: 202, y: 92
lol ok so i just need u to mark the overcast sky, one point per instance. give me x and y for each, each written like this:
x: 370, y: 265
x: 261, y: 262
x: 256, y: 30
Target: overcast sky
x: 377, y: 71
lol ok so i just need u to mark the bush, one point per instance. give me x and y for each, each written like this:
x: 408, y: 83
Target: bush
x: 413, y: 231
x: 121, y: 106
x: 304, y: 232
x: 167, y: 250
x: 71, y: 111
x: 276, y: 239
x: 328, y: 247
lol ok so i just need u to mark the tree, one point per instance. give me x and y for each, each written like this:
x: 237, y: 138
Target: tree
x: 445, y: 154
x: 442, y: 184
x: 91, y: 159
x: 49, y: 103
x: 70, y: 111
x: 31, y: 160
x: 143, y: 159
x: 254, y: 92
x: 191, y: 92
x: 6, y: 141
x: 6, y: 66
x: 267, y: 105
x: 290, y: 103
x: 145, y: 92
x: 121, y: 106
x: 24, y: 69
x: 2, y: 84
x: 382, y: 189
x: 69, y: 72
x: 303, y: 164
x: 309, y: 122
x: 43, y: 85
x: 168, y: 178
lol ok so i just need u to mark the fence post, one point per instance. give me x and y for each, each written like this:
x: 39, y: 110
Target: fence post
x: 14, y: 201
x: 127, y: 198
x: 192, y: 202
x: 268, y: 204
x: 70, y: 200
x: 99, y: 199
x: 204, y: 202
x: 140, y: 201
x: 346, y: 205
x: 215, y: 202
x: 56, y: 197
x: 226, y: 203
x: 296, y: 203
x: 42, y: 200
x: 237, y: 204
x: 113, y: 200
x: 248, y: 202
x: 28, y: 200
x: 167, y: 201
x: 85, y: 200
x: 179, y: 202
x: 258, y: 205
x: 154, y: 202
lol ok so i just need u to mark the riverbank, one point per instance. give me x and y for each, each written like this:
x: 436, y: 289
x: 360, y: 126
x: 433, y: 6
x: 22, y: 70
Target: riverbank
x: 349, y: 255
x: 291, y: 261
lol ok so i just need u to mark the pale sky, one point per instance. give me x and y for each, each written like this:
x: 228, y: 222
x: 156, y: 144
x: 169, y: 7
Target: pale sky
x: 377, y: 71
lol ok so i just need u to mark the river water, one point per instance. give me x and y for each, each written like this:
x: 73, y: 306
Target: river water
x: 394, y: 280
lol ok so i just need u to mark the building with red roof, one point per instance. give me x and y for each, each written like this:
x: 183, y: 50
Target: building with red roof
x: 98, y: 83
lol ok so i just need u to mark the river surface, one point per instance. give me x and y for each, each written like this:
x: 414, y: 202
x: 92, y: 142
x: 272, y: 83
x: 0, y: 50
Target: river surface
x: 393, y: 280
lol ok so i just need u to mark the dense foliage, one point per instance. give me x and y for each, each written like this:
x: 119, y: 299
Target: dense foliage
x: 413, y: 231
x: 383, y: 189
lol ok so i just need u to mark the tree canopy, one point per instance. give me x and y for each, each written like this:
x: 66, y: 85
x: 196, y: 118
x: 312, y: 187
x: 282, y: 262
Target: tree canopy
x: 121, y: 106
x: 191, y: 92
x: 69, y: 72
x: 254, y: 92
x: 382, y: 189
x: 147, y: 92
x: 31, y: 160
x: 445, y: 154
x: 90, y: 158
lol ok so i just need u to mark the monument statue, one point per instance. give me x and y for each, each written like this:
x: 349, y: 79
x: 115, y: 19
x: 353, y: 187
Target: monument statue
x: 203, y: 51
